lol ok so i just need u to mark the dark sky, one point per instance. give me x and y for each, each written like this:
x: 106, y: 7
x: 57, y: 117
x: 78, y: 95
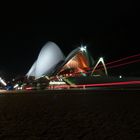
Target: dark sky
x: 108, y: 29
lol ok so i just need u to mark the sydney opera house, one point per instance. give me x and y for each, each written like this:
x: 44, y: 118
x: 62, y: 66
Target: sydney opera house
x: 52, y: 70
x: 54, y: 66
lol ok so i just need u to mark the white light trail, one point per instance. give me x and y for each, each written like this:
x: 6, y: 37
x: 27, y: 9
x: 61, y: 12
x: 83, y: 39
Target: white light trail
x: 2, y: 81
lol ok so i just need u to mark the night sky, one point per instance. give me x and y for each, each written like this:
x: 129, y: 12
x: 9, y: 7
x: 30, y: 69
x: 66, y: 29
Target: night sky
x: 108, y: 29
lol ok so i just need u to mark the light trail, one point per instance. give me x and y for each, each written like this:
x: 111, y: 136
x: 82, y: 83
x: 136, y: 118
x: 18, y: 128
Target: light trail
x: 2, y: 81
x: 99, y: 84
x: 120, y: 62
x: 119, y: 65
x: 133, y: 56
x: 112, y: 84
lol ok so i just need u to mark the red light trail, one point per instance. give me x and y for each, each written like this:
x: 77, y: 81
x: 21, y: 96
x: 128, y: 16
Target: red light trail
x: 119, y: 65
x: 133, y: 56
x: 122, y: 62
x: 100, y: 84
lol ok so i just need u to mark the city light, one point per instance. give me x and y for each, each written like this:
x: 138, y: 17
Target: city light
x: 83, y: 48
x: 120, y: 76
x: 16, y: 86
x: 2, y: 81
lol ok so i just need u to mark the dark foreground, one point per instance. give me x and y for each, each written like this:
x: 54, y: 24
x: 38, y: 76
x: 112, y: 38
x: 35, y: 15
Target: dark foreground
x: 70, y: 115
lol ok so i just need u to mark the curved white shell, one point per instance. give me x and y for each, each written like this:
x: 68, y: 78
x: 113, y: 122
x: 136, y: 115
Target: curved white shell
x: 49, y: 56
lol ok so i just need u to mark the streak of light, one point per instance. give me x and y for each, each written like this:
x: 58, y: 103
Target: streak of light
x: 100, y: 84
x: 119, y: 65
x: 2, y: 81
x: 133, y: 56
x: 121, y: 60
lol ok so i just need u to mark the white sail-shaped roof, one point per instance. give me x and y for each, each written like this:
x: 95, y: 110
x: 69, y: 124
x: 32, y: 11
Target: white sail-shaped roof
x: 49, y: 57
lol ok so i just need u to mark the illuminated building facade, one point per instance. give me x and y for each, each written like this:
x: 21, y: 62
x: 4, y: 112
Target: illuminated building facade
x: 52, y: 64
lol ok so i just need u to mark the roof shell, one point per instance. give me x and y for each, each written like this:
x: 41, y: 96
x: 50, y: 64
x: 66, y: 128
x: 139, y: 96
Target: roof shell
x: 49, y: 58
x: 78, y: 60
